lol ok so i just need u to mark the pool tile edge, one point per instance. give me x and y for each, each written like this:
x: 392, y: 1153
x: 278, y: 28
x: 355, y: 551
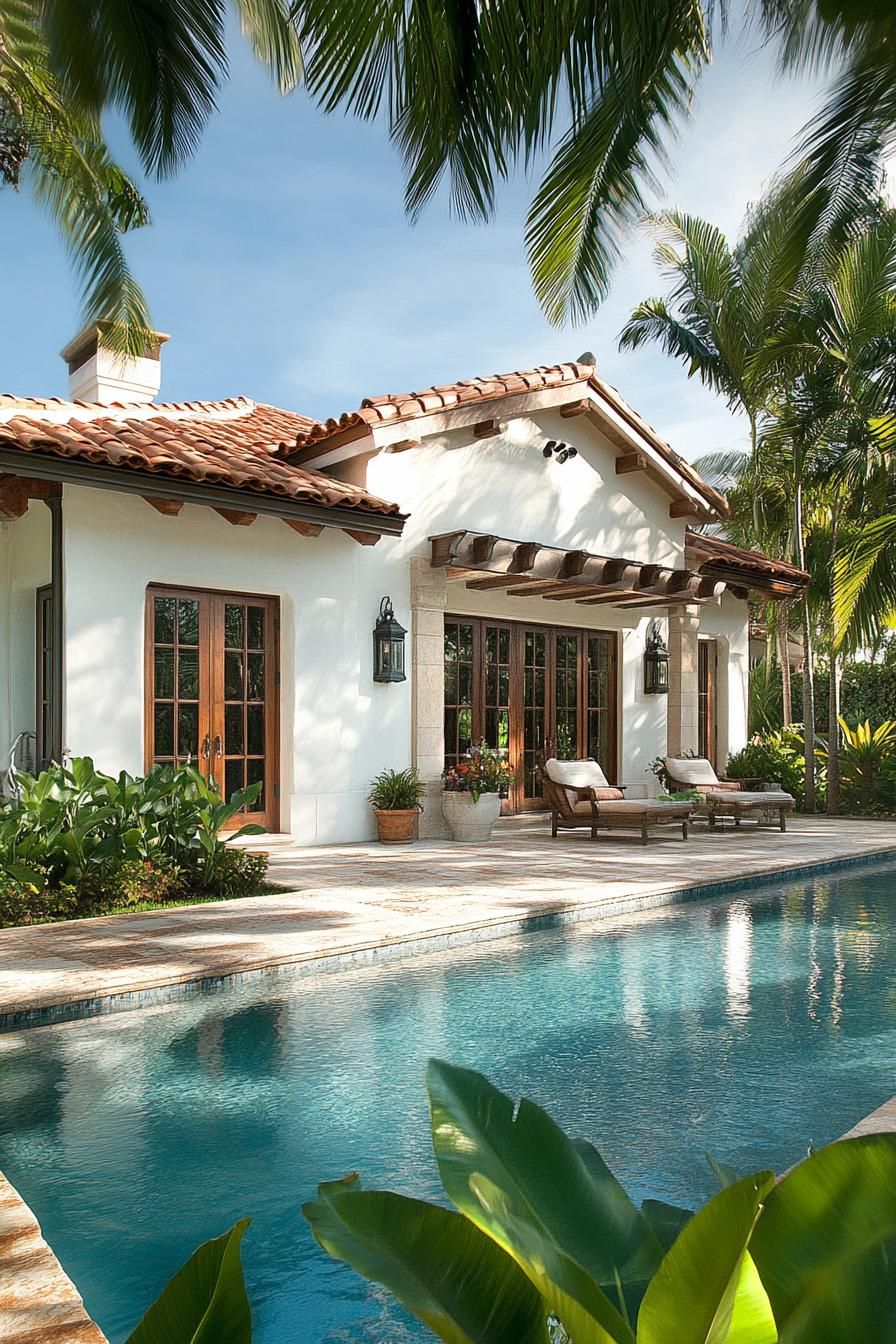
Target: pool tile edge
x: 388, y: 950
x: 38, y: 1301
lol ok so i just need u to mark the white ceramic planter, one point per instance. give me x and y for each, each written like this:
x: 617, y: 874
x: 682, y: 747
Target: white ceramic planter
x: 471, y: 821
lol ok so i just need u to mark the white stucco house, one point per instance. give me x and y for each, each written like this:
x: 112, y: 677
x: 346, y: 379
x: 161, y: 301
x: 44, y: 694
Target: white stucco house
x: 201, y: 581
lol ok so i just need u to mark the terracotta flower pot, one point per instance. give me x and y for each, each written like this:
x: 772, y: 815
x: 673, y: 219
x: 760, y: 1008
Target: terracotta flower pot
x: 396, y: 826
x: 471, y: 821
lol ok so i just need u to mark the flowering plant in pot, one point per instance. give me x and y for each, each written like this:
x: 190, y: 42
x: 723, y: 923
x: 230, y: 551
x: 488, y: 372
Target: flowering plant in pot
x: 395, y: 796
x: 473, y: 789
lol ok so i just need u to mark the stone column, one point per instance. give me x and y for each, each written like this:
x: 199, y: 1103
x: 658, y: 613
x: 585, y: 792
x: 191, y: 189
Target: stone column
x: 429, y: 598
x: 682, y: 723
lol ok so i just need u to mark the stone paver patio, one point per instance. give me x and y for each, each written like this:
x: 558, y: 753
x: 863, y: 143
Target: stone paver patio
x: 347, y: 900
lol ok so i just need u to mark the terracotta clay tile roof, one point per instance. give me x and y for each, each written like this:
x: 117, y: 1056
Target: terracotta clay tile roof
x: 408, y: 405
x: 235, y: 443
x: 752, y: 564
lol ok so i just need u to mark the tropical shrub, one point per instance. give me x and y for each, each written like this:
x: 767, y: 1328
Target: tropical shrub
x: 657, y: 767
x: 396, y: 790
x: 867, y: 766
x: 544, y: 1246
x: 76, y: 841
x: 773, y: 758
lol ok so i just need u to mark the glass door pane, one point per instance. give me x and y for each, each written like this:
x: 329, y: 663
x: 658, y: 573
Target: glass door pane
x: 242, y: 745
x: 535, y: 646
x: 177, y: 631
x: 600, y: 707
x: 566, y: 697
x: 458, y: 689
x: 496, y: 720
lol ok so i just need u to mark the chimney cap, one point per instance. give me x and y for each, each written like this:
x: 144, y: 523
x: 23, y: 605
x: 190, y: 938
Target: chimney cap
x: 90, y: 338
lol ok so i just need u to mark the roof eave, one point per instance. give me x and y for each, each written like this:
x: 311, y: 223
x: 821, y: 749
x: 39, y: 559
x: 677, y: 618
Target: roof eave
x: 147, y: 483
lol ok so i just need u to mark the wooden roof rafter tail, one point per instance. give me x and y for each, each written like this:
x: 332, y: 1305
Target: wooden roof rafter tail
x: 571, y: 388
x: 524, y: 569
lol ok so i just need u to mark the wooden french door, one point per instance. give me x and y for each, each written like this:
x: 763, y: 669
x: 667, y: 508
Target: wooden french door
x: 212, y: 690
x: 707, y: 669
x: 530, y: 691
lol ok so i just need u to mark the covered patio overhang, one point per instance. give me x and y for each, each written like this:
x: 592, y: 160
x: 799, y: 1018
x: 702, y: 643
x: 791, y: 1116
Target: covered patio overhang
x: 527, y: 569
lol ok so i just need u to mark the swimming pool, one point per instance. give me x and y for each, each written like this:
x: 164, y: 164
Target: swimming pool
x: 745, y: 1027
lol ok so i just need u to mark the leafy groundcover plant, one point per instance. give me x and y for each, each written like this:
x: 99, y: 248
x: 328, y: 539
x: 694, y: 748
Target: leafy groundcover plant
x: 78, y: 842
x: 543, y: 1246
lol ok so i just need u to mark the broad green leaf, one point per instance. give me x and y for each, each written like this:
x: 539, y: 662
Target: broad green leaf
x: 858, y: 1302
x: 828, y: 1208
x: 205, y: 1302
x: 666, y: 1220
x: 707, y: 1290
x: 551, y: 1203
x: 437, y: 1263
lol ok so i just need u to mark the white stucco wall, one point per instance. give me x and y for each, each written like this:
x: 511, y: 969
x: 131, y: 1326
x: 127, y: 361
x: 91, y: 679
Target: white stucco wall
x: 338, y: 728
x: 24, y: 567
x: 504, y: 485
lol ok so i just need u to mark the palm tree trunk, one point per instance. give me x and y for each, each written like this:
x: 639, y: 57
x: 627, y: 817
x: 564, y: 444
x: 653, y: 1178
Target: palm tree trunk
x: 808, y: 656
x: 783, y: 634
x: 833, y: 789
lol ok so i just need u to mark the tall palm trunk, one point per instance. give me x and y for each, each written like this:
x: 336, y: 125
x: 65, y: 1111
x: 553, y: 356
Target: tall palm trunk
x: 833, y: 780
x: 808, y: 653
x: 783, y: 636
x: 833, y: 788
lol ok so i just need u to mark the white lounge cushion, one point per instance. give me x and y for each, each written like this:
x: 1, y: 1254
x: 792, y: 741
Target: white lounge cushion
x: 773, y: 798
x: 689, y: 770
x: 576, y: 774
x: 573, y: 775
x: 632, y: 807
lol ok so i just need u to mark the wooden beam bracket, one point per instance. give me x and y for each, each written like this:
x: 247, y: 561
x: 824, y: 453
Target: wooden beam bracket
x: 630, y: 462
x: 487, y: 429
x: 304, y: 529
x: 362, y: 538
x: 237, y: 517
x: 169, y: 508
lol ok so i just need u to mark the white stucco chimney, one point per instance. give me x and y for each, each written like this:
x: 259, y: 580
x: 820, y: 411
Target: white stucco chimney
x: 96, y: 373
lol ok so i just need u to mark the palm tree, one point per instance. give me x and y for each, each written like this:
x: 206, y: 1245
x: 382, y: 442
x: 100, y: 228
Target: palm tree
x: 59, y: 151
x: 834, y: 358
x: 469, y: 90
x: 62, y: 64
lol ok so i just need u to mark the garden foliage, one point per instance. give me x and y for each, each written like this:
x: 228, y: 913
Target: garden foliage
x: 544, y: 1246
x: 79, y: 842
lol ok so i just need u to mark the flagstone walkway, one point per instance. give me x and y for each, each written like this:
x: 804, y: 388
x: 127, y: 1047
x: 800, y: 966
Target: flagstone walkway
x: 362, y: 902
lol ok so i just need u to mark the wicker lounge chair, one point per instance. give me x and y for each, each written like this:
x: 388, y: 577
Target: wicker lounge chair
x: 580, y: 796
x: 728, y: 797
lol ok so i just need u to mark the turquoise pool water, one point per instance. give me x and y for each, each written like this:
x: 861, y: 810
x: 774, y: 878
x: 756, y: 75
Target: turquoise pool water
x: 745, y: 1027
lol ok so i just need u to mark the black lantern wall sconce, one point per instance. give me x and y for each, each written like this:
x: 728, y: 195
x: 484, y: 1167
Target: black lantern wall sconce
x: 562, y: 451
x: 656, y: 664
x: 388, y: 645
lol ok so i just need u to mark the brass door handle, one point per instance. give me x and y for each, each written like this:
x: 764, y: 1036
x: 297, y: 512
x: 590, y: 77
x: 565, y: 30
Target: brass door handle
x: 219, y: 746
x: 206, y: 747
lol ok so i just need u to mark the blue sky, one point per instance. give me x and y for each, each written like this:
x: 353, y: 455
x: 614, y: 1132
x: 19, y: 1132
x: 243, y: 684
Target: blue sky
x: 282, y: 264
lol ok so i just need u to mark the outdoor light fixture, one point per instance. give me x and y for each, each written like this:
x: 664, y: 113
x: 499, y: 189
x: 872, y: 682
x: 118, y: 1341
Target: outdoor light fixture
x: 656, y: 664
x: 563, y: 451
x: 388, y: 645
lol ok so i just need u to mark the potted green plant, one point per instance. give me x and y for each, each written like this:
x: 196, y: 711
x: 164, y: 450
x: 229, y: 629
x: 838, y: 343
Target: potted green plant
x: 471, y: 801
x: 395, y: 796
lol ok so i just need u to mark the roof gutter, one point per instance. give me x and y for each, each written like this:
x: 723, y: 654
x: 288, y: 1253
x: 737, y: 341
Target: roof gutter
x: 126, y: 481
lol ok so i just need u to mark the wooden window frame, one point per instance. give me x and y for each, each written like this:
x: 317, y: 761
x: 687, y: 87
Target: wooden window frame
x: 517, y: 802
x: 707, y: 698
